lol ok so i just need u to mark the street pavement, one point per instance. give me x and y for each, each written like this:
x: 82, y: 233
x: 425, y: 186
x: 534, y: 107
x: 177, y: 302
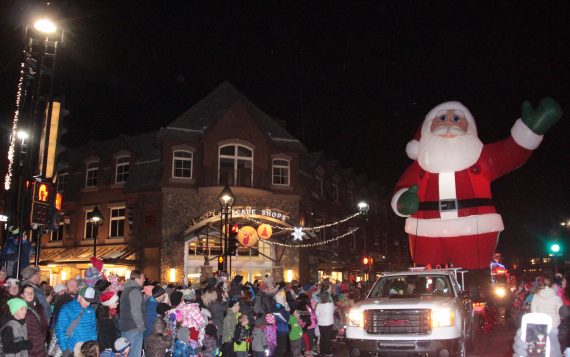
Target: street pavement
x: 498, y: 343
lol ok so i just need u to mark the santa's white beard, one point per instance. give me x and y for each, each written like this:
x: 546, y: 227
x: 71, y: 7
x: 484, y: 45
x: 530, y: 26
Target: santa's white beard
x: 438, y: 154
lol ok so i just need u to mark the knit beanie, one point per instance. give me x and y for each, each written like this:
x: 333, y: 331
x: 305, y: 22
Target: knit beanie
x: 16, y: 304
x: 157, y: 291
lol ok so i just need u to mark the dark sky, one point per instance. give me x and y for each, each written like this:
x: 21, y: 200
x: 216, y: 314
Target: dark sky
x: 352, y: 78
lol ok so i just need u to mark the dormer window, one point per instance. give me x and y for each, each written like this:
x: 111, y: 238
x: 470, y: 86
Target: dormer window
x: 92, y: 174
x: 281, y: 172
x: 182, y: 164
x: 122, y: 169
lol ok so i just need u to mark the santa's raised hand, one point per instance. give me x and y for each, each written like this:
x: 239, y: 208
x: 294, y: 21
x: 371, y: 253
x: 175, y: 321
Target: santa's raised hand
x: 543, y: 118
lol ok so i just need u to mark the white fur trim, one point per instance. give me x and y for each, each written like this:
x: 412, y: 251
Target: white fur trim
x: 446, y: 182
x: 395, y: 201
x: 412, y: 149
x: 462, y: 226
x: 524, y: 136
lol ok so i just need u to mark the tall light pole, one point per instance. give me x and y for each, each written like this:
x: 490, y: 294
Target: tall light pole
x: 363, y: 208
x: 33, y: 115
x: 226, y: 199
x: 95, y: 217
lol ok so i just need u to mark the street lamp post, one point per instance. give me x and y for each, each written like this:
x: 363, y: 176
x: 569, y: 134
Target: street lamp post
x: 35, y: 93
x: 226, y: 199
x: 363, y: 208
x: 95, y: 217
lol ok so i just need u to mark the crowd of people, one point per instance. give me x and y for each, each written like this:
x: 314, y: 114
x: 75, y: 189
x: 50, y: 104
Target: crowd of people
x: 549, y: 295
x: 98, y: 316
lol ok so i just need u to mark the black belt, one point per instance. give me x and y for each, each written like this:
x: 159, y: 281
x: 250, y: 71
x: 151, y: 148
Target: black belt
x: 454, y: 205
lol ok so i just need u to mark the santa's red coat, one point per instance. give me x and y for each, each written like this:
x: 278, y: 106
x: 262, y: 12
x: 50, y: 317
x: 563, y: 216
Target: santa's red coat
x: 465, y: 237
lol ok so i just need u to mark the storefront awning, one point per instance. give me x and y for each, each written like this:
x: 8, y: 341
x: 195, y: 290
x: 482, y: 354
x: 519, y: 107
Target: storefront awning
x: 114, y: 254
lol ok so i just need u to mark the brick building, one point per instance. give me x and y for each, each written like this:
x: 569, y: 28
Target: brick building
x: 158, y: 193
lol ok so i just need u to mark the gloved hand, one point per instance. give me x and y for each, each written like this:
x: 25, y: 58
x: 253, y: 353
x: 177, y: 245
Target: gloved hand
x: 543, y: 118
x: 408, y: 202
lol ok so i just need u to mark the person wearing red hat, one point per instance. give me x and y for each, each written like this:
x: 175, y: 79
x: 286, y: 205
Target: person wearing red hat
x: 446, y: 193
x: 107, y: 320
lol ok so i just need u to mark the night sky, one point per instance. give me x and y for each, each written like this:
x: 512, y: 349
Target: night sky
x: 352, y: 78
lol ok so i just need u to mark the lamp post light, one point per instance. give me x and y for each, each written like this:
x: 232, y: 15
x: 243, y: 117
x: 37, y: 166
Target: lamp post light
x: 226, y: 199
x: 95, y: 217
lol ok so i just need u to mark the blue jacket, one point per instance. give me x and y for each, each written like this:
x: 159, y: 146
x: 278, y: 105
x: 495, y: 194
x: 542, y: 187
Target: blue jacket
x: 150, y: 316
x: 86, y: 329
x: 282, y: 325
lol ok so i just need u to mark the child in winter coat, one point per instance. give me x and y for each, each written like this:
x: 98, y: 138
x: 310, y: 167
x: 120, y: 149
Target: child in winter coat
x: 271, y: 333
x: 242, y: 337
x: 14, y: 332
x: 295, y: 334
x: 210, y: 341
x: 260, y: 344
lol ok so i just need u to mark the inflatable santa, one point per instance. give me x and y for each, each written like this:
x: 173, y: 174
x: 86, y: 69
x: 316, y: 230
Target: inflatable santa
x: 446, y: 192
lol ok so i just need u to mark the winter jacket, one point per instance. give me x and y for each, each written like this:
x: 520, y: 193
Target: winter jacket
x: 150, y: 315
x: 14, y: 337
x: 260, y: 342
x: 230, y: 322
x: 37, y: 326
x: 282, y: 320
x: 41, y: 299
x: 246, y: 308
x: 58, y: 302
x: 547, y: 302
x: 242, y: 338
x: 132, y: 308
x: 107, y: 328
x: 218, y: 310
x: 263, y: 303
x: 156, y: 345
x: 296, y: 330
x: 85, y: 330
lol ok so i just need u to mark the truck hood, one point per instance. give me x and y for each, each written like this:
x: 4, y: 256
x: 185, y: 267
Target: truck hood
x: 427, y: 302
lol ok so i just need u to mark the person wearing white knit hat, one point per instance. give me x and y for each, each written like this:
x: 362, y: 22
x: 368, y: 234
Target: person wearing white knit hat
x: 446, y: 192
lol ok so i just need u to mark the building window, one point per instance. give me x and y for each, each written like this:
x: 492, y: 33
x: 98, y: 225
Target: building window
x: 182, y: 164
x: 319, y: 188
x: 62, y: 181
x: 281, y: 172
x: 91, y: 228
x: 334, y: 192
x: 117, y: 225
x: 57, y: 235
x: 92, y: 174
x: 235, y: 165
x: 122, y: 169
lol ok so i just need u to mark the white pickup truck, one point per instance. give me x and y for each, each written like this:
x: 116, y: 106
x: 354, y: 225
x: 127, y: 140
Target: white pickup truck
x: 412, y: 313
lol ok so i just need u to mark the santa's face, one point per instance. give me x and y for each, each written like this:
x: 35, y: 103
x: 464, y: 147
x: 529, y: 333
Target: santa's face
x: 449, y: 124
x: 448, y: 143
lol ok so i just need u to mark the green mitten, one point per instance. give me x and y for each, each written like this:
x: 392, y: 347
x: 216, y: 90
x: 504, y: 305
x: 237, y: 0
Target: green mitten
x: 408, y: 202
x: 543, y: 118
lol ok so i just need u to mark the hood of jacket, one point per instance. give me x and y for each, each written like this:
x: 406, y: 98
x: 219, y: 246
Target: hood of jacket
x: 131, y: 283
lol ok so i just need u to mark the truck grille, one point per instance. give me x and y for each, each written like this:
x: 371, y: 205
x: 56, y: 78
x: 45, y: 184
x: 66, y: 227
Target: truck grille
x: 395, y: 322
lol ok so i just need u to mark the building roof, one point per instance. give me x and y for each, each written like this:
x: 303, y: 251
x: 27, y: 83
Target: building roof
x: 202, y: 116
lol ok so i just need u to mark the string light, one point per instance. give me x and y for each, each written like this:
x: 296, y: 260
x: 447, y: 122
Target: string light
x: 308, y: 229
x: 306, y: 245
x: 11, y: 150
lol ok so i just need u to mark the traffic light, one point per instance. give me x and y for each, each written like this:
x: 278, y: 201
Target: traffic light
x: 232, y: 244
x: 221, y: 263
x: 365, y: 261
x: 554, y: 248
x: 43, y: 202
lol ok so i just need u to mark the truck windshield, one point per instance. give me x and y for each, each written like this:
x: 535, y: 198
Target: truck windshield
x: 407, y: 286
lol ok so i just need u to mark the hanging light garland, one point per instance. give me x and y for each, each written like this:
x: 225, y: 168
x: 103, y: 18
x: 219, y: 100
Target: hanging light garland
x: 307, y: 229
x: 306, y: 245
x: 12, y: 149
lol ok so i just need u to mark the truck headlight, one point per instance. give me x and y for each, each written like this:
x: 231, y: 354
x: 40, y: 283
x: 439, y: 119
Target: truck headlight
x: 356, y: 318
x: 500, y: 292
x: 442, y: 317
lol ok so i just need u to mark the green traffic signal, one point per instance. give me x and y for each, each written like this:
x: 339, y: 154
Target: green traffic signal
x: 555, y: 248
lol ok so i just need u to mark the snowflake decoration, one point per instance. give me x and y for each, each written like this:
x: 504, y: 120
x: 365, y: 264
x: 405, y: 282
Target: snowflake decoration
x: 297, y: 233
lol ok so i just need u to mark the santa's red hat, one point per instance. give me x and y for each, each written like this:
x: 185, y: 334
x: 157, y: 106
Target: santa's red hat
x: 109, y: 298
x: 413, y: 145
